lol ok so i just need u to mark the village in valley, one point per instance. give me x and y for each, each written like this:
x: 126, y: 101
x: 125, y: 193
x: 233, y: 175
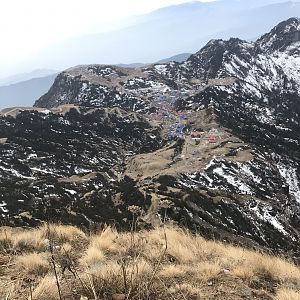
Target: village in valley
x: 194, y: 138
x: 186, y: 125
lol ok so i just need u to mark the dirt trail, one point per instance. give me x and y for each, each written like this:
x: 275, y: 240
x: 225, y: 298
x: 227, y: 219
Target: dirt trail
x: 78, y: 179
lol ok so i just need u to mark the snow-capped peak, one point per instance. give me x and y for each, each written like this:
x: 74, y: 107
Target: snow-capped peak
x: 281, y: 37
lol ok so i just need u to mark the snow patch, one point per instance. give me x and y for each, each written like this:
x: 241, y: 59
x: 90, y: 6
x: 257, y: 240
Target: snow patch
x: 291, y: 178
x: 242, y: 187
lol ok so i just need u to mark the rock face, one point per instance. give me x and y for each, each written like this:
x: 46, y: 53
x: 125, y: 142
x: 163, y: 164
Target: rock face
x: 216, y: 136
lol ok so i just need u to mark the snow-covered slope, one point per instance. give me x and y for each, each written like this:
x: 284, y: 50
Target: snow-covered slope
x: 223, y: 136
x: 53, y: 162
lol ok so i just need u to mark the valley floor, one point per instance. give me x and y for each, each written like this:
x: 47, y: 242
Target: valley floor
x: 163, y: 263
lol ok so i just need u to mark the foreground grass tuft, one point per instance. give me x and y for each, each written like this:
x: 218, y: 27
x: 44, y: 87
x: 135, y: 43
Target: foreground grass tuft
x: 163, y: 263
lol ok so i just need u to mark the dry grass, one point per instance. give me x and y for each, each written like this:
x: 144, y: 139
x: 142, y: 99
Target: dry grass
x: 5, y: 239
x: 287, y: 294
x: 32, y: 264
x: 207, y: 271
x: 92, y: 257
x: 186, y: 290
x: 105, y: 241
x: 27, y: 241
x: 63, y: 233
x: 66, y: 248
x: 165, y: 263
x: 46, y: 289
x: 172, y: 271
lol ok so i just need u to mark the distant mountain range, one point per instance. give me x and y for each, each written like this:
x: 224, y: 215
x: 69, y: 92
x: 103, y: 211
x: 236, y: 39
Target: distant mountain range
x: 178, y: 58
x: 24, y: 93
x: 26, y: 76
x: 174, y: 29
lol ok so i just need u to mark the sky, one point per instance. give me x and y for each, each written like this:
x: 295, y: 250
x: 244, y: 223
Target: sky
x: 31, y: 25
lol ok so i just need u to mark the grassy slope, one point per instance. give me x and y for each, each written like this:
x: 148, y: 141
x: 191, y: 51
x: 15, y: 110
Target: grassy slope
x: 164, y: 263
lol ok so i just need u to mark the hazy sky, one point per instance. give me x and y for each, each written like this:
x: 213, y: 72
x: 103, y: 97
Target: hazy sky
x: 27, y: 26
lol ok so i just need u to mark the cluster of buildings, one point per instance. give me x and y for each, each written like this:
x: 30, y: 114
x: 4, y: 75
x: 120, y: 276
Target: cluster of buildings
x: 211, y: 137
x: 178, y: 121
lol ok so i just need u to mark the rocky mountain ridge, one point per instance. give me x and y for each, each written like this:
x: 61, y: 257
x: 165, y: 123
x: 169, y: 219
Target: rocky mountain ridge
x: 216, y: 136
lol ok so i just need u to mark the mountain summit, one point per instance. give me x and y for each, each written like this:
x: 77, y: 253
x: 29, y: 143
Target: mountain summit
x: 284, y: 35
